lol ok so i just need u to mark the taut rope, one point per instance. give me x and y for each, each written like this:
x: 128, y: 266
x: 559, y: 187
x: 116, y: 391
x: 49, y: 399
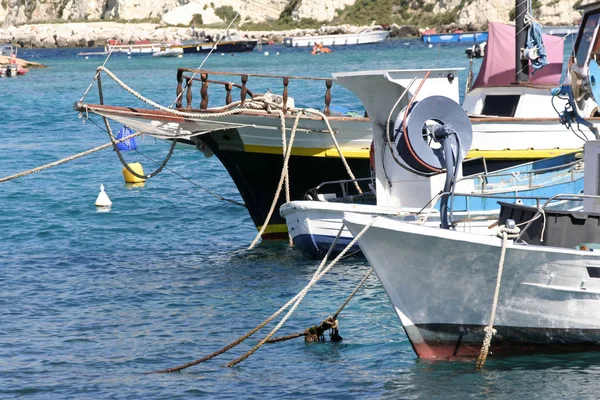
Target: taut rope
x: 328, y: 323
x: 316, y: 277
x: 284, y: 176
x: 301, y: 296
x: 71, y: 158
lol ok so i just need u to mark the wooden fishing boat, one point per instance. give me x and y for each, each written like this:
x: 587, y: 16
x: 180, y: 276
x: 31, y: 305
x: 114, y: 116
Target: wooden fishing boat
x: 246, y: 134
x: 532, y: 289
x: 223, y: 46
x: 511, y: 123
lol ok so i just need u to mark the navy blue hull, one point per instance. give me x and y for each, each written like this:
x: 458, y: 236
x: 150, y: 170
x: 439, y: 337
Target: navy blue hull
x: 316, y: 246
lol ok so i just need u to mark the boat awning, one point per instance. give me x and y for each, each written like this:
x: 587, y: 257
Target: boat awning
x: 498, y: 67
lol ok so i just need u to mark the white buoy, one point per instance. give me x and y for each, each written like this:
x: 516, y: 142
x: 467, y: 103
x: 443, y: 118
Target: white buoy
x: 277, y: 53
x: 266, y: 53
x: 102, y: 200
x: 87, y: 58
x: 222, y: 54
x: 430, y: 46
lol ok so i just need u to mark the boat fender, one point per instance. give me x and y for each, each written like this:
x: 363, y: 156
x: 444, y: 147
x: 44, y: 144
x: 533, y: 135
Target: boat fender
x: 129, y: 177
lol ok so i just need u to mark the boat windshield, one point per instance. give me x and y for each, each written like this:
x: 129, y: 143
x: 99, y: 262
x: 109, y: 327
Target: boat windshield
x: 586, y: 37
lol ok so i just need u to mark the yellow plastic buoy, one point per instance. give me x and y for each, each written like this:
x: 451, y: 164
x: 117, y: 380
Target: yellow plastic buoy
x: 129, y: 177
x: 102, y: 200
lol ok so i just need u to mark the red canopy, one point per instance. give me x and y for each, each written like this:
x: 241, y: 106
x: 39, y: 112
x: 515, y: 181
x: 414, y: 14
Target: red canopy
x: 498, y: 67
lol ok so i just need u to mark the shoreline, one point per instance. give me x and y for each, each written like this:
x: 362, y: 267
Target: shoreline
x: 95, y: 34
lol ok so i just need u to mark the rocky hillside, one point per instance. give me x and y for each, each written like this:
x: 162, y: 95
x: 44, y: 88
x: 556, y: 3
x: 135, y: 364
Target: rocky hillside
x: 206, y: 12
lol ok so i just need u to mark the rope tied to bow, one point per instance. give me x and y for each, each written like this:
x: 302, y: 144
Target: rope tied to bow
x: 506, y: 233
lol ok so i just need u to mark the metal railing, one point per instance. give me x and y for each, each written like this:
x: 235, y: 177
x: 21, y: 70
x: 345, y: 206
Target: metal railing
x: 344, y: 184
x: 187, y: 76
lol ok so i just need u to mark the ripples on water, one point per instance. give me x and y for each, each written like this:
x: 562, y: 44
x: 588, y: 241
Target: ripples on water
x: 92, y: 301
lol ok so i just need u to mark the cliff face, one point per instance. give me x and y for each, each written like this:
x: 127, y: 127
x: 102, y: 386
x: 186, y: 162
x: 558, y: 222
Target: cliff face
x: 478, y: 12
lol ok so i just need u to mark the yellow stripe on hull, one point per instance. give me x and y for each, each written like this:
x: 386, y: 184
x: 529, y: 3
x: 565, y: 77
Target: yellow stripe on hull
x: 506, y: 154
x: 519, y: 154
x: 308, y: 152
x: 274, y: 228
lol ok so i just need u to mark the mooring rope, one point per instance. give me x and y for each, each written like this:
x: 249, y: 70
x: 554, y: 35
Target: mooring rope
x: 329, y: 320
x: 336, y: 144
x: 301, y: 296
x: 71, y: 158
x: 215, y: 195
x: 506, y: 234
x: 285, y: 150
x: 194, y: 115
x: 284, y: 172
x: 316, y: 277
x: 118, y: 151
x: 323, y: 261
x: 287, y: 170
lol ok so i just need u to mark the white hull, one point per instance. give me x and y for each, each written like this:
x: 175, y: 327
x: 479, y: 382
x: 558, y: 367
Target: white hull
x: 257, y: 133
x: 441, y: 284
x: 170, y: 52
x: 146, y: 48
x: 313, y: 225
x: 337, y: 40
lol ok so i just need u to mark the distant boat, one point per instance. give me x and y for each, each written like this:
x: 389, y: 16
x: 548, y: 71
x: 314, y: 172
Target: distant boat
x: 223, y: 46
x: 12, y: 70
x: 365, y: 36
x: 139, y: 47
x: 229, y: 42
x: 456, y: 37
x: 169, y: 52
x: 92, y: 53
x: 476, y: 51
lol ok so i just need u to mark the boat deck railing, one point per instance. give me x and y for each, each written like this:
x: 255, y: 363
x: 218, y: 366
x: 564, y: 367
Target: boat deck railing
x: 541, y: 202
x: 555, y: 198
x: 187, y: 76
x: 344, y: 185
x: 528, y: 175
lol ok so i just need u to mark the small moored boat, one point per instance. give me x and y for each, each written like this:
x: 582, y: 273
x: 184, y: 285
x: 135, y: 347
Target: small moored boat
x: 366, y: 36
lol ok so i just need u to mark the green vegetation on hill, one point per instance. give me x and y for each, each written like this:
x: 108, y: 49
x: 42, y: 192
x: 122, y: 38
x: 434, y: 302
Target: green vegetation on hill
x: 366, y: 12
x: 401, y: 12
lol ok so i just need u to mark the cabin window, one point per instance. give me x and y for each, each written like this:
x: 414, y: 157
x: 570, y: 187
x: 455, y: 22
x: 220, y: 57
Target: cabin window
x: 593, y: 272
x: 500, y: 105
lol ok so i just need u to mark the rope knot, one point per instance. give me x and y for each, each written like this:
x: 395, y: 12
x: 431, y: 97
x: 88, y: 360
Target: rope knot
x: 330, y: 323
x: 511, y: 233
x: 489, y: 330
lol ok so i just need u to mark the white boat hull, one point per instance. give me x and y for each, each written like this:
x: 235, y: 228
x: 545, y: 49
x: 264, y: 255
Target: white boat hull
x: 337, y: 40
x: 441, y: 284
x: 314, y: 225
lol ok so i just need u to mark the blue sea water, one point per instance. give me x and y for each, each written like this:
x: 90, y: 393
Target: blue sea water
x: 90, y: 301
